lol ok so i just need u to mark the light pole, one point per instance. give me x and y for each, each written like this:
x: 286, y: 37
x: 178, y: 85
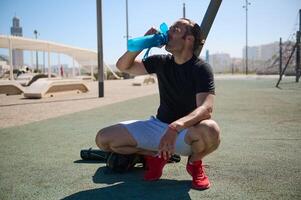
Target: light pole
x: 127, y: 22
x: 184, y: 11
x: 37, y: 61
x: 246, y: 7
x: 100, y: 48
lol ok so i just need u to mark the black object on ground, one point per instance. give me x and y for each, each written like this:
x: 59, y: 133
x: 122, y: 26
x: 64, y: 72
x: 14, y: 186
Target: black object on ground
x: 118, y: 162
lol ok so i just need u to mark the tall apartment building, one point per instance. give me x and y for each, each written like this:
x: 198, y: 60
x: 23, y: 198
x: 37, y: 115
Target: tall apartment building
x: 17, y: 54
x: 261, y: 52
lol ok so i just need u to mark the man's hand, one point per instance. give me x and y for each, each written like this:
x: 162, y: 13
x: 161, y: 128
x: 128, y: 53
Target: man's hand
x: 167, y: 143
x: 151, y: 31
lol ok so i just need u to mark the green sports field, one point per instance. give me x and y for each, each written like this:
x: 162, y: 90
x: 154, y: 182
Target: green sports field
x: 259, y: 156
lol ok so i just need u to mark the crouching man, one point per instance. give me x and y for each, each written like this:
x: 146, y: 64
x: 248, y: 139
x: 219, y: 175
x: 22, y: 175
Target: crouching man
x: 183, y: 123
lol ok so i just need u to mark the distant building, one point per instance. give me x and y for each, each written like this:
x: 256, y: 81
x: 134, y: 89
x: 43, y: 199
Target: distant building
x: 261, y: 52
x: 17, y: 54
x: 220, y: 62
x: 253, y: 53
x: 267, y: 51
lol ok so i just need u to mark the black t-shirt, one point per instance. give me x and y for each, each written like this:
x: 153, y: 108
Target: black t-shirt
x: 179, y: 84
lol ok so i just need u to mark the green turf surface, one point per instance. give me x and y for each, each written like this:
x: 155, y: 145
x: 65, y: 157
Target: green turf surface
x: 259, y: 156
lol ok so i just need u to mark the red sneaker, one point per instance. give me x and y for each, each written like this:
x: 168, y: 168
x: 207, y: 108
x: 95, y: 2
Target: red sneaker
x: 154, y: 167
x: 199, y: 179
x: 189, y: 168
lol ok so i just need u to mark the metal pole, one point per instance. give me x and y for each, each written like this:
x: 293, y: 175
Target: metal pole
x: 280, y: 57
x: 299, y: 19
x: 207, y: 22
x: 127, y: 22
x: 184, y: 11
x: 37, y: 61
x: 100, y: 49
x: 247, y: 37
x: 246, y: 7
x: 298, y: 67
x: 287, y: 62
x: 298, y: 70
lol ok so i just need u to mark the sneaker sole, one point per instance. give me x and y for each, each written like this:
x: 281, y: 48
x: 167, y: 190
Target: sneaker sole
x: 203, y: 188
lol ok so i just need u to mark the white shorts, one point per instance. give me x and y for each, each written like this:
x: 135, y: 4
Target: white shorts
x: 148, y: 134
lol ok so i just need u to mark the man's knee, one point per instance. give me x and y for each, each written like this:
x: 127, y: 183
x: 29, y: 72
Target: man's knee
x: 210, y: 132
x: 102, y: 138
x: 213, y: 132
x: 114, y: 136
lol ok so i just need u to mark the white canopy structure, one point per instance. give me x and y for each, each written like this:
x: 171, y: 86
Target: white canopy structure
x: 85, y: 57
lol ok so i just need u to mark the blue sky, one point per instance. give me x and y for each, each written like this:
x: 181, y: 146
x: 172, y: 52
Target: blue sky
x: 73, y: 22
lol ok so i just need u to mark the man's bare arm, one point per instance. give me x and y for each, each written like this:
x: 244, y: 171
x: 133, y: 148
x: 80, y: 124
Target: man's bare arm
x: 129, y: 64
x: 203, y: 111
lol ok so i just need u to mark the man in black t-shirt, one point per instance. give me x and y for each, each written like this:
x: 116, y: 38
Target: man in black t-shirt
x: 183, y: 123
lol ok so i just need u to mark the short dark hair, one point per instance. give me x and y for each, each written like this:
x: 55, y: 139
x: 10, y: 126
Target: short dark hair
x: 195, y: 30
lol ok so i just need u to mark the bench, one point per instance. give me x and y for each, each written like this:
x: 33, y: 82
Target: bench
x: 10, y: 87
x: 45, y: 87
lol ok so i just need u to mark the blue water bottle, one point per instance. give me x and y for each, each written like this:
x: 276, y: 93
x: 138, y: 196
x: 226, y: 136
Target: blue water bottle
x: 149, y: 41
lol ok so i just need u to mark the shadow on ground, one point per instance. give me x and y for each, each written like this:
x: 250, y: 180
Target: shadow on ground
x: 131, y: 186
